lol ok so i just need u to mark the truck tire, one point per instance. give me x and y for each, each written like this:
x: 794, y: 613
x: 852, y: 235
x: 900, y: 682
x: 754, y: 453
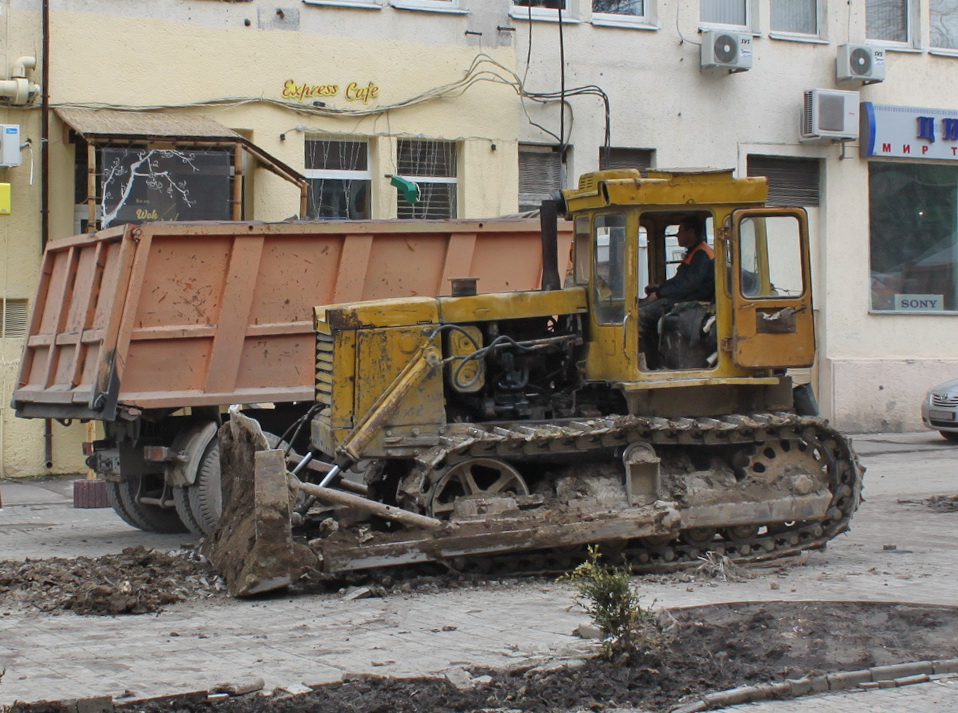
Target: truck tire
x: 149, y: 518
x: 201, y: 503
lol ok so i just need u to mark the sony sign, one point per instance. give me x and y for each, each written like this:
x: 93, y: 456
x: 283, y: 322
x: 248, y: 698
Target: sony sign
x: 919, y: 303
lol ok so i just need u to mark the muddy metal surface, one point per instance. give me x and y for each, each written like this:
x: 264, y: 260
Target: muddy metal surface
x: 903, y: 547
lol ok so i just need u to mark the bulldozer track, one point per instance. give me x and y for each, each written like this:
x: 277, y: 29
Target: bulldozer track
x: 763, y: 542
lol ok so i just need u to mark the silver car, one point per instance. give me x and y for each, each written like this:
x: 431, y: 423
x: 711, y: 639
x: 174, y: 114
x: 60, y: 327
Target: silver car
x: 939, y: 410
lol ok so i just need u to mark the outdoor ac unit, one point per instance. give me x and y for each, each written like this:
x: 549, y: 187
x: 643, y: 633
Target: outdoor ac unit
x: 722, y: 49
x: 830, y: 114
x: 862, y: 63
x: 10, y: 145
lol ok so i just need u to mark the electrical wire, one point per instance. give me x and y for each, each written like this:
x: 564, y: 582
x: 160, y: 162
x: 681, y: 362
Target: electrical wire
x: 482, y: 69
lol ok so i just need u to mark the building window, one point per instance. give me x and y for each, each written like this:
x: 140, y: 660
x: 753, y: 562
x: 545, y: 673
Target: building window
x: 887, y: 20
x: 432, y: 165
x: 944, y: 23
x: 625, y: 158
x: 619, y: 8
x: 14, y: 324
x: 546, y: 4
x: 725, y: 12
x: 913, y: 214
x: 796, y: 16
x: 339, y: 179
x: 791, y: 181
x: 541, y: 171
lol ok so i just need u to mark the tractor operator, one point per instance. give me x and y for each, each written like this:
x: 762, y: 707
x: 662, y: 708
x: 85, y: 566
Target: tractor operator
x: 694, y: 280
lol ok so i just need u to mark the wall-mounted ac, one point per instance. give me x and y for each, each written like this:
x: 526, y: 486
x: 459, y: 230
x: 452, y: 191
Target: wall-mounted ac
x: 10, y: 145
x: 861, y: 63
x: 830, y: 114
x: 724, y: 49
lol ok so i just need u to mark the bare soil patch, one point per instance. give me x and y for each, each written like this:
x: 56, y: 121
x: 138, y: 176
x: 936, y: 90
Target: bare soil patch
x: 713, y: 648
x: 136, y: 581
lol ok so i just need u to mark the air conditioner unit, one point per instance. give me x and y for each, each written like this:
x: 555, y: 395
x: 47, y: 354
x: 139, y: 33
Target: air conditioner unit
x: 862, y: 63
x: 10, y: 145
x: 830, y: 114
x: 724, y: 49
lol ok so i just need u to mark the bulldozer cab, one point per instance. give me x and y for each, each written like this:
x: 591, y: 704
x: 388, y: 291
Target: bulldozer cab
x: 748, y: 313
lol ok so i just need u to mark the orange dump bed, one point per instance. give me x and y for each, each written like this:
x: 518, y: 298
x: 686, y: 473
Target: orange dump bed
x: 168, y: 315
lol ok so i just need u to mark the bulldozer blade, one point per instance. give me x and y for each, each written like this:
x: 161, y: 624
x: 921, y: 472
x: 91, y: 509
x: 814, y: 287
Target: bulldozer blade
x: 252, y: 546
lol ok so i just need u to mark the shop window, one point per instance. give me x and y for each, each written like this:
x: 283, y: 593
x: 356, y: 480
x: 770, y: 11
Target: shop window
x: 725, y: 12
x: 339, y: 179
x: 913, y: 213
x: 14, y: 324
x: 944, y: 24
x: 791, y: 181
x: 625, y: 158
x: 433, y: 166
x: 541, y: 171
x: 888, y: 20
x: 139, y: 184
x: 795, y: 16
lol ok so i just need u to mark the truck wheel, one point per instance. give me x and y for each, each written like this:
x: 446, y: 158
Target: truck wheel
x: 149, y: 518
x: 201, y: 504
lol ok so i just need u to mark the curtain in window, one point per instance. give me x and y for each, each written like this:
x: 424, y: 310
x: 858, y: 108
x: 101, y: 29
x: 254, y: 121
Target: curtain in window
x: 800, y: 16
x: 725, y: 12
x: 944, y: 23
x: 887, y: 20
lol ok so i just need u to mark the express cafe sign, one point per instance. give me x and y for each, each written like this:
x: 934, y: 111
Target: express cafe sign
x: 354, y: 91
x: 909, y: 132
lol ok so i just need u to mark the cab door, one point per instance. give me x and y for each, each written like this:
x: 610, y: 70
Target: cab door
x: 772, y: 321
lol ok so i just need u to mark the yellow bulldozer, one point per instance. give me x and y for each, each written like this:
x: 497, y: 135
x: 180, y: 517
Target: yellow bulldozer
x: 507, y: 431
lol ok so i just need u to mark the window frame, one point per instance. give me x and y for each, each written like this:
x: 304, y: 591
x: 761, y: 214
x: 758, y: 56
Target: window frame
x: 428, y: 179
x: 339, y: 174
x: 611, y: 19
x: 570, y: 13
x: 937, y: 49
x: 807, y: 36
x: 452, y: 7
x: 750, y: 10
x: 912, y: 29
x: 361, y: 4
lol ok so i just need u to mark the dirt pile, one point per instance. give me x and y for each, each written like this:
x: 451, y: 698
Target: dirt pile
x: 137, y: 581
x: 712, y: 648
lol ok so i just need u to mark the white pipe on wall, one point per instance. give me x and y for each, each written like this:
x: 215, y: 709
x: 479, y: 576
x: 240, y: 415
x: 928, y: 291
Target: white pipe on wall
x: 18, y: 89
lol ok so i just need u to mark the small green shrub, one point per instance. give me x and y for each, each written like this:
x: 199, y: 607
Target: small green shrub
x: 608, y: 597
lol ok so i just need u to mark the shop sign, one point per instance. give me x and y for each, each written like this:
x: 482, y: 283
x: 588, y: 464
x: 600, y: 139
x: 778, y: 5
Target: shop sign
x: 353, y: 92
x: 919, y: 303
x: 909, y: 132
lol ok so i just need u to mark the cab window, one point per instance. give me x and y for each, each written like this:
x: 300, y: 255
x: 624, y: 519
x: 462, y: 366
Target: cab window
x: 609, y: 268
x: 771, y: 257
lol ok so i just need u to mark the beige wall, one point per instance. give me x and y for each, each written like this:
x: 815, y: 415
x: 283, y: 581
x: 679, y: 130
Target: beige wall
x: 873, y: 368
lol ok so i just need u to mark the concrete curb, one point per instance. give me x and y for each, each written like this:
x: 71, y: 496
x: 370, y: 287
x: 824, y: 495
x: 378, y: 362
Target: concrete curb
x: 904, y: 674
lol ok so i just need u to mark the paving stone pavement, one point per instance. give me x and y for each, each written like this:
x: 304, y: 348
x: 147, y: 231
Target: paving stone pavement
x: 308, y: 640
x: 931, y: 697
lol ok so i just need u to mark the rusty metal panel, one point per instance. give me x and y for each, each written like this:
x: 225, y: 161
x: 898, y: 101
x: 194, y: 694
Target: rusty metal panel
x: 168, y: 315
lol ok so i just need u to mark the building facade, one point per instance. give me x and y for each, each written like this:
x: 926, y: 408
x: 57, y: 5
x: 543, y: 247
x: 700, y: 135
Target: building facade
x: 120, y: 112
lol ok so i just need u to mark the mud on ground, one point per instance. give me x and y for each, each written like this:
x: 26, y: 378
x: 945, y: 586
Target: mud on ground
x: 137, y: 581
x: 712, y: 648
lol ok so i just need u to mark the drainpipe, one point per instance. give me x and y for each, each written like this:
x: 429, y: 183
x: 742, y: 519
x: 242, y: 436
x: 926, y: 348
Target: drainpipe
x: 45, y: 183
x: 45, y: 131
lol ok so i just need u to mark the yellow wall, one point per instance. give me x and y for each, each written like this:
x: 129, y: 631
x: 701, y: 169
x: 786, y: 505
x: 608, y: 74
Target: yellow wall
x: 174, y: 54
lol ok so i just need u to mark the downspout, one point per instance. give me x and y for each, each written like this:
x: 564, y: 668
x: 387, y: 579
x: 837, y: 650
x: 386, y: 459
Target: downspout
x: 45, y: 183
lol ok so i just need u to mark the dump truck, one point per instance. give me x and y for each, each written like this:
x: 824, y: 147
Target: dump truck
x: 154, y: 330
x: 508, y: 431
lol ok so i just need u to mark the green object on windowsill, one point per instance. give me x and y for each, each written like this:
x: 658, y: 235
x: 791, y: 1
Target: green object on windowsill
x: 408, y: 189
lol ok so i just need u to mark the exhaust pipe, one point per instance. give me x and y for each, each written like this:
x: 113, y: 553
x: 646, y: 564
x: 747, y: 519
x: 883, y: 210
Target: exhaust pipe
x: 549, y: 226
